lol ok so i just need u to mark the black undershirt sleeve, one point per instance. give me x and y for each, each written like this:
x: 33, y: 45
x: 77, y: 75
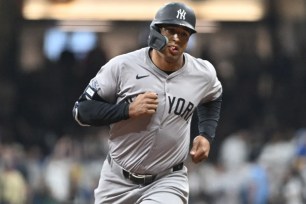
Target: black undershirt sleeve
x: 98, y: 113
x: 208, y: 118
x: 90, y: 109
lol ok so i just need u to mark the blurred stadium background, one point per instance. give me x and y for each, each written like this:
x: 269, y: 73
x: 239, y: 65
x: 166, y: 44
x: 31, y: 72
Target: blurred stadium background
x: 50, y: 49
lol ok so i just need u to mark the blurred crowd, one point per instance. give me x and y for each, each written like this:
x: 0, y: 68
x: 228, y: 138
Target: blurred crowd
x: 248, y: 173
x: 68, y: 174
x: 244, y: 173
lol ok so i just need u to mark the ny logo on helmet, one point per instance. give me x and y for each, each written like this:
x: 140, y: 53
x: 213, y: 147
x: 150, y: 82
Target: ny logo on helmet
x: 181, y: 14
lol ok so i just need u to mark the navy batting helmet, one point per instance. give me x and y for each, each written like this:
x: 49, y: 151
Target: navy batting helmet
x: 176, y: 14
x: 171, y: 14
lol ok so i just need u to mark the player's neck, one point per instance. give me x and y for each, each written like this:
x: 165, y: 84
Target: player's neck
x: 164, y: 64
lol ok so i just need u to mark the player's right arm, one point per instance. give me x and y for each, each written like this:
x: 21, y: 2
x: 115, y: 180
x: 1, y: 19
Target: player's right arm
x: 98, y: 104
x: 91, y: 109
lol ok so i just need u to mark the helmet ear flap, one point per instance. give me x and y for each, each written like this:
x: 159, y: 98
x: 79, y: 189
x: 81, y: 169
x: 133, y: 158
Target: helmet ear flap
x: 156, y: 40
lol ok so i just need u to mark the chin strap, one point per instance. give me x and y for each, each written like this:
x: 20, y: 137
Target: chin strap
x: 156, y: 40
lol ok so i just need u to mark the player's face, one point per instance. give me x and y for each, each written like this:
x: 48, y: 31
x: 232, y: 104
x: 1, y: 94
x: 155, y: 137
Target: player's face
x: 178, y: 37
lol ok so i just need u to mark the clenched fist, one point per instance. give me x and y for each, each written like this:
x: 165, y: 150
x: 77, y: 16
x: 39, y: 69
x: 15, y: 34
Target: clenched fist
x: 144, y: 104
x: 200, y: 149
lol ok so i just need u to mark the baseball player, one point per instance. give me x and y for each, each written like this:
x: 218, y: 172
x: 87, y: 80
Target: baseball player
x: 148, y: 97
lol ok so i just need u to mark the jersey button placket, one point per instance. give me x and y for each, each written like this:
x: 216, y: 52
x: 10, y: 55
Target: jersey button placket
x: 166, y: 86
x: 166, y: 93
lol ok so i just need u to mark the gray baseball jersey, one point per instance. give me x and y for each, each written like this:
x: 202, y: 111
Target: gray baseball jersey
x: 151, y: 144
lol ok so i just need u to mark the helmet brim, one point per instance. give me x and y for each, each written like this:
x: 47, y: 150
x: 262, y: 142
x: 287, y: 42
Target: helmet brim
x: 176, y: 23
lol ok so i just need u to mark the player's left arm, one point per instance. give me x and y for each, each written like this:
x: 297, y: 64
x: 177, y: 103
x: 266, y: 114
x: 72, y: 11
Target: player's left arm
x: 208, y: 118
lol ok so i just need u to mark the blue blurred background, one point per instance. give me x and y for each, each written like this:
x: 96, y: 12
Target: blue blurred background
x: 50, y: 49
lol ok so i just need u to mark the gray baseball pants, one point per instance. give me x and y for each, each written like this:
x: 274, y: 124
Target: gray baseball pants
x: 169, y: 187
